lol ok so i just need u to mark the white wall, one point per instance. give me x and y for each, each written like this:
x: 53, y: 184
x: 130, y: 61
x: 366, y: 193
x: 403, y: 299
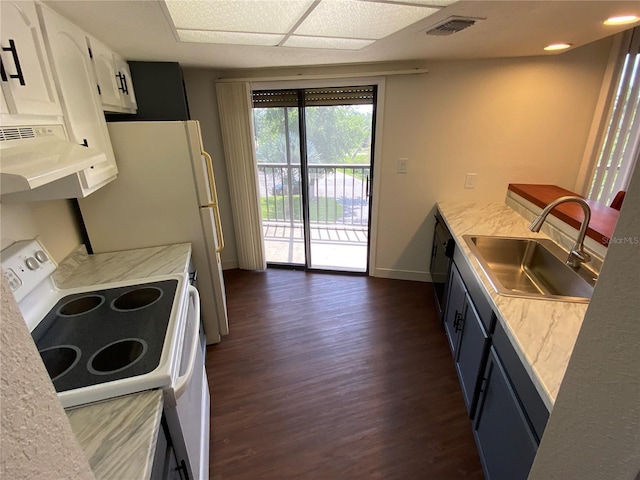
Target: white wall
x: 594, y: 429
x: 203, y: 106
x: 508, y: 120
x: 53, y: 221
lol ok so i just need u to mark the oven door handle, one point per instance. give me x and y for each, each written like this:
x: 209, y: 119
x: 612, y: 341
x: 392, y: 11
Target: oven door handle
x: 183, y: 381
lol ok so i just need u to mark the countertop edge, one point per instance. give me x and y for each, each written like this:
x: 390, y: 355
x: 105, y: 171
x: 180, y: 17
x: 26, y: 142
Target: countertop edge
x: 508, y: 308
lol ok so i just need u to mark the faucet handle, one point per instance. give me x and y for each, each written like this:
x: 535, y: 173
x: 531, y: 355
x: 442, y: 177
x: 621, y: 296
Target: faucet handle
x: 577, y: 257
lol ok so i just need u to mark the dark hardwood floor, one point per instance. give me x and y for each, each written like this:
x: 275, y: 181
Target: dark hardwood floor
x: 335, y: 377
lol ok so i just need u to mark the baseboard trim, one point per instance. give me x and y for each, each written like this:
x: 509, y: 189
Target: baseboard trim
x: 229, y: 264
x: 412, y: 275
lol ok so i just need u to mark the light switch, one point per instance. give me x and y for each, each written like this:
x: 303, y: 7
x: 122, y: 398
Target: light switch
x: 402, y: 165
x: 470, y: 180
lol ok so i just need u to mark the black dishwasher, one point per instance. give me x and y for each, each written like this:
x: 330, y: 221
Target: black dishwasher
x: 441, y: 257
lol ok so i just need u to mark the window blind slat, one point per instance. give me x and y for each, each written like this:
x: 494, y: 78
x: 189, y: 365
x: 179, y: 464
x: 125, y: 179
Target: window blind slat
x: 619, y: 149
x: 617, y: 135
x: 314, y: 97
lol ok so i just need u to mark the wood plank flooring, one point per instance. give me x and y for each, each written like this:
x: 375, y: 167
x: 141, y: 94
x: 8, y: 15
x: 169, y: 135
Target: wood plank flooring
x: 335, y: 377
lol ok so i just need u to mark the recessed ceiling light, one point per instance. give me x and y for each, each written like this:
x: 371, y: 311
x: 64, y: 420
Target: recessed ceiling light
x: 557, y: 46
x: 621, y: 20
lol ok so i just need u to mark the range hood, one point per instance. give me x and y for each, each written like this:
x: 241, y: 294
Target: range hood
x: 34, y: 156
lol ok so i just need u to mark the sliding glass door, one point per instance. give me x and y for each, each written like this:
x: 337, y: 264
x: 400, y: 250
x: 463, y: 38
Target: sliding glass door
x: 314, y: 153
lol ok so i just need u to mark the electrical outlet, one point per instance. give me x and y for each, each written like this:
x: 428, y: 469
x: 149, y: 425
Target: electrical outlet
x: 402, y: 165
x: 470, y: 180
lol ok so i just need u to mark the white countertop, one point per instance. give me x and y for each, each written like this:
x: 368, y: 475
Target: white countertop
x: 119, y: 435
x: 543, y: 332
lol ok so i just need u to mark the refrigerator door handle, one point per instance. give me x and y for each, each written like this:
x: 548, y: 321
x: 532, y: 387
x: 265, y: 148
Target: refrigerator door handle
x: 214, y: 201
x: 216, y: 216
x: 212, y: 183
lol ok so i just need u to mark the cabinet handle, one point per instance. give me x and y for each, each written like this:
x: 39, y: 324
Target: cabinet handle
x: 182, y: 470
x: 457, y: 323
x: 483, y: 384
x: 16, y: 59
x: 124, y: 81
x: 2, y: 72
x: 119, y: 77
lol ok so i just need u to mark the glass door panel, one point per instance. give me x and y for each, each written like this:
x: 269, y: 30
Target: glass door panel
x: 313, y: 150
x: 338, y: 147
x: 279, y: 177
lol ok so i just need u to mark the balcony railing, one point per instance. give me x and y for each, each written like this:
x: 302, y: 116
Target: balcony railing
x: 338, y: 194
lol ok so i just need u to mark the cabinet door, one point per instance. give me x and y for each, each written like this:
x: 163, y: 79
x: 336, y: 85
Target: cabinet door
x: 26, y: 76
x: 454, y: 313
x: 73, y: 72
x: 471, y: 353
x: 106, y: 75
x: 128, y: 95
x: 505, y: 441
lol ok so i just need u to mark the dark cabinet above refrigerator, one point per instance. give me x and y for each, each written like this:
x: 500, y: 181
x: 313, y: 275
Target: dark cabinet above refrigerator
x: 160, y: 93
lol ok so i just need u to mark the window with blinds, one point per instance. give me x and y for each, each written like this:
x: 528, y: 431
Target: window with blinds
x: 621, y: 137
x: 316, y: 97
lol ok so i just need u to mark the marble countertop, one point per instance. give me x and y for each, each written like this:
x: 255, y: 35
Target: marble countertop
x: 543, y: 332
x: 119, y: 435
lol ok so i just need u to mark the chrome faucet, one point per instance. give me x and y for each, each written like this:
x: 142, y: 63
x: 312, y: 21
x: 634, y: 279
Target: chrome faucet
x: 577, y: 255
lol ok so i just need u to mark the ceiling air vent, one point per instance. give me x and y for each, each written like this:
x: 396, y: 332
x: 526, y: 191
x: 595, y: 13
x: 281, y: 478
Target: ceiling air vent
x: 451, y: 25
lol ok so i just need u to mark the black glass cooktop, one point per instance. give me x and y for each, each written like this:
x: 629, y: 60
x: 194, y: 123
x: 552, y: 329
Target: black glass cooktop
x: 105, y: 335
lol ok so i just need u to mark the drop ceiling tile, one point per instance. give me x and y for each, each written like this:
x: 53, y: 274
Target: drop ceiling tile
x: 326, y: 42
x: 229, y: 38
x: 362, y: 20
x: 260, y: 16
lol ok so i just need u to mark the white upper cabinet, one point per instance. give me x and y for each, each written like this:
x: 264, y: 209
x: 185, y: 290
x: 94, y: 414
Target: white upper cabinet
x: 106, y: 74
x: 114, y: 79
x: 27, y: 84
x: 74, y: 76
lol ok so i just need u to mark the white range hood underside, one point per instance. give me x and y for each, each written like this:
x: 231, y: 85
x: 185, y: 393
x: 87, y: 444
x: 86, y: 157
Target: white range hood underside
x: 29, y: 163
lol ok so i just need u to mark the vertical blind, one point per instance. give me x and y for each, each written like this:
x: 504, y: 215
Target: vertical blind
x: 621, y: 140
x: 234, y: 105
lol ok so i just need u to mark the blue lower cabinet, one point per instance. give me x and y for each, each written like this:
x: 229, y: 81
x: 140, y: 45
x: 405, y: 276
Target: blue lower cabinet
x: 471, y: 353
x: 506, y: 442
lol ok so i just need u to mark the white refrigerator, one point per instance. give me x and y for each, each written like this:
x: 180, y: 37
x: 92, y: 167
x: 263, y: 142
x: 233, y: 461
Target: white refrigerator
x: 164, y: 194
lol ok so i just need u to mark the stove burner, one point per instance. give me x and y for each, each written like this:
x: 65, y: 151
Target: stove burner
x: 59, y: 360
x: 80, y: 306
x: 137, y: 299
x: 117, y: 356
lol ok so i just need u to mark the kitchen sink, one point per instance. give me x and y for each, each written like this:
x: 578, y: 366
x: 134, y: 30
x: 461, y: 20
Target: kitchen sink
x: 531, y: 268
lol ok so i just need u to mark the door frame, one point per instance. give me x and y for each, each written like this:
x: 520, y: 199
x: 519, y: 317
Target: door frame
x: 377, y: 147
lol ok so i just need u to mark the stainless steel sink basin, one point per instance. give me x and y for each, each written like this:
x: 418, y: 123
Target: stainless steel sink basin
x: 527, y: 267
